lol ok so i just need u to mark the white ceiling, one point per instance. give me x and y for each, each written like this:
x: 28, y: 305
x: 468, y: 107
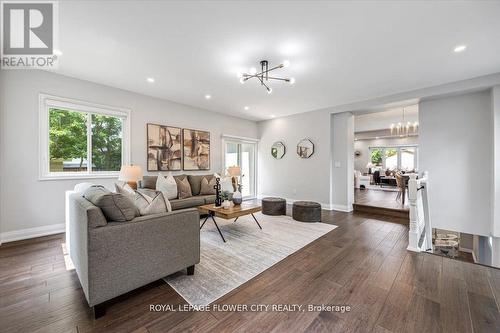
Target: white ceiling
x: 340, y: 52
x: 383, y: 120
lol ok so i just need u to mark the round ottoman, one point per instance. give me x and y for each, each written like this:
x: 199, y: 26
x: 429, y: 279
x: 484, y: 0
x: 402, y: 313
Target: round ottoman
x: 306, y: 211
x: 273, y: 206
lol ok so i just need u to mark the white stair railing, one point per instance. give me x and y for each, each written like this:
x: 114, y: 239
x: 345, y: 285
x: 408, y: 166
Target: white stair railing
x: 420, y: 234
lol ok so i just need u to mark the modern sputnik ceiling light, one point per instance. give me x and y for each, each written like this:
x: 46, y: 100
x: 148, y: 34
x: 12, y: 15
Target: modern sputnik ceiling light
x: 263, y: 75
x: 404, y: 127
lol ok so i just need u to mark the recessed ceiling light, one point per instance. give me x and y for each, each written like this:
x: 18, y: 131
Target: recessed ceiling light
x: 247, y: 108
x: 377, y: 137
x: 460, y: 48
x: 58, y: 52
x: 150, y: 80
x: 272, y: 116
x: 208, y: 96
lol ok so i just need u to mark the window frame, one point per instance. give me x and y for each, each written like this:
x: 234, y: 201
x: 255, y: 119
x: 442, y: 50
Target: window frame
x: 240, y: 140
x: 47, y: 102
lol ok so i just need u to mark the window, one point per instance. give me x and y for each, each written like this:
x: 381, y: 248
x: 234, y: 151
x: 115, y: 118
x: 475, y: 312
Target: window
x: 81, y: 140
x: 242, y: 152
x: 400, y: 158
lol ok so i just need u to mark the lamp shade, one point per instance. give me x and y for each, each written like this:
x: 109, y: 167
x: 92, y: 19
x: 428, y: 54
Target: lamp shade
x: 370, y: 165
x: 234, y: 171
x: 130, y: 173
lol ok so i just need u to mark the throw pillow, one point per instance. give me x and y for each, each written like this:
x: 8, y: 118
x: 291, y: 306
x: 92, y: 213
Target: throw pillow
x: 226, y: 183
x: 207, y: 187
x: 168, y: 186
x: 149, y: 206
x: 183, y: 188
x: 126, y: 190
x: 116, y: 207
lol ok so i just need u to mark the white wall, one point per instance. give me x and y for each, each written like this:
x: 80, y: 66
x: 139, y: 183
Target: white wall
x: 26, y: 202
x: 363, y: 147
x: 456, y: 148
x: 292, y: 177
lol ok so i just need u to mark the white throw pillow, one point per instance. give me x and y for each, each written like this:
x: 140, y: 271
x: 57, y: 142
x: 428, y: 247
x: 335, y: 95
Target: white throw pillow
x: 226, y: 184
x: 167, y: 186
x: 82, y: 187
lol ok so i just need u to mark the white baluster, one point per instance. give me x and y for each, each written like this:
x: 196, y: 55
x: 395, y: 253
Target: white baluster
x: 414, y: 219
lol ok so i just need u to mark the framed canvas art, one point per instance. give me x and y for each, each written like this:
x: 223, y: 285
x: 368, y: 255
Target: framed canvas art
x: 164, y: 148
x: 196, y: 150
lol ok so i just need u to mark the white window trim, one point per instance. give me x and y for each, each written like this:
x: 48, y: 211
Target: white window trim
x: 47, y: 101
x: 240, y: 139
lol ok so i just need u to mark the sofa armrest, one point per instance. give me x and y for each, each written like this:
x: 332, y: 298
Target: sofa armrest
x: 126, y: 255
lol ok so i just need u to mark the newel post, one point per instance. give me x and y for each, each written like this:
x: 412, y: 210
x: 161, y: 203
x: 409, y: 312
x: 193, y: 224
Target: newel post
x: 412, y: 198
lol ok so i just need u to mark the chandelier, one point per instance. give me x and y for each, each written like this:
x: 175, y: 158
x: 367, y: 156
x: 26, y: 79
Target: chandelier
x: 404, y: 128
x: 263, y: 75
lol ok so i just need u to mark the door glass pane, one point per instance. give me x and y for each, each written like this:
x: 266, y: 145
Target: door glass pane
x: 391, y: 158
x: 68, y: 141
x: 231, y: 155
x: 408, y: 159
x: 248, y: 169
x: 106, y: 143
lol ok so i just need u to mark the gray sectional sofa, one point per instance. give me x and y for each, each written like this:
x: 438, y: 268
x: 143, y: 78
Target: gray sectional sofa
x: 149, y: 183
x: 112, y: 258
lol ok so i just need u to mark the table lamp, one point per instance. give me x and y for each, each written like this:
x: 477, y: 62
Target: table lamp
x: 130, y: 174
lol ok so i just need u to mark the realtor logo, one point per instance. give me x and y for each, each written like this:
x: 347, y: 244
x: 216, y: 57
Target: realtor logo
x: 28, y: 34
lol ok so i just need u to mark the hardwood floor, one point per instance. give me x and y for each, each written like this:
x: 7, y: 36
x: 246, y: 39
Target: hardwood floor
x: 379, y: 198
x: 363, y: 264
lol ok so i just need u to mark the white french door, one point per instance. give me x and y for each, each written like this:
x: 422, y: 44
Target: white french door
x: 243, y: 153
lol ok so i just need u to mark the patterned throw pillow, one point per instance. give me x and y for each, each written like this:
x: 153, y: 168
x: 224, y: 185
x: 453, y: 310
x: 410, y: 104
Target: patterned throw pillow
x: 149, y: 206
x: 207, y: 187
x: 183, y: 188
x: 126, y: 190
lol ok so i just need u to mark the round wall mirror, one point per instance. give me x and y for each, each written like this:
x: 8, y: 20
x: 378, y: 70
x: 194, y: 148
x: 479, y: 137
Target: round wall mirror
x: 305, y: 148
x: 278, y: 150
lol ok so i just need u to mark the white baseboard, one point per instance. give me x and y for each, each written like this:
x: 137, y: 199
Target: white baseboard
x: 342, y: 208
x: 21, y: 234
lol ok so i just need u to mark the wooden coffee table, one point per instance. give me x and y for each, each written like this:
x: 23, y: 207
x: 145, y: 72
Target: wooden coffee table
x: 233, y: 212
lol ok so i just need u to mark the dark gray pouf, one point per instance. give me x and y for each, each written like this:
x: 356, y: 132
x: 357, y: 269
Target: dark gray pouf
x: 273, y: 206
x: 306, y: 211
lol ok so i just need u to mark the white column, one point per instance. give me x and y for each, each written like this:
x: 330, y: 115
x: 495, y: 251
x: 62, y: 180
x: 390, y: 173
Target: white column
x: 495, y: 96
x: 342, y: 161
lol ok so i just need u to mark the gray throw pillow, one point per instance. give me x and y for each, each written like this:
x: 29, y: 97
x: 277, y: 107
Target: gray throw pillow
x: 148, y: 205
x: 207, y: 187
x: 116, y: 207
x: 183, y: 188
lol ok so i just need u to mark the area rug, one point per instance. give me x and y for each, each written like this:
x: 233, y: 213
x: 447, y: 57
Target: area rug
x: 248, y: 251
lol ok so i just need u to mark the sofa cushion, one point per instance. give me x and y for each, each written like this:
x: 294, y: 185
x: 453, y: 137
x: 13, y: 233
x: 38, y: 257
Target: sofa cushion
x: 167, y: 185
x: 187, y: 203
x: 114, y: 206
x: 209, y: 199
x: 152, y: 205
x: 183, y: 188
x: 149, y: 182
x: 207, y: 186
x: 195, y: 182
